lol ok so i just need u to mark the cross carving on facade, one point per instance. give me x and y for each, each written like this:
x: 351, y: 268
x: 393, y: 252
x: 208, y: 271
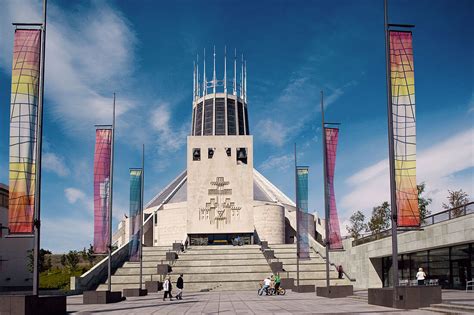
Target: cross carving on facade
x: 219, y: 211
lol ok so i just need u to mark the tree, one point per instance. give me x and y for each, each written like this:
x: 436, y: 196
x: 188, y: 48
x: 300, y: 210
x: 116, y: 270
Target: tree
x: 41, y: 260
x: 423, y: 203
x: 456, y: 198
x: 63, y: 260
x: 381, y: 218
x: 357, y: 225
x: 90, y: 255
x: 72, y: 259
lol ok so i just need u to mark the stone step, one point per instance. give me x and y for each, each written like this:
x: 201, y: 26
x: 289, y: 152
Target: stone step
x: 236, y: 251
x: 219, y: 247
x: 305, y: 267
x: 196, y: 287
x: 454, y: 308
x: 292, y: 261
x: 193, y: 263
x: 200, y: 277
x: 135, y: 270
x: 193, y: 256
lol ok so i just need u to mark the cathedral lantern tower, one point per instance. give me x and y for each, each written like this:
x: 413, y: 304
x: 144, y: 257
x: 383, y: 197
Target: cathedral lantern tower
x: 220, y: 155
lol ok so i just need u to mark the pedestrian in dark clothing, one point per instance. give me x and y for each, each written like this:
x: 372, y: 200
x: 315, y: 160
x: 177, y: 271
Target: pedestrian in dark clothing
x: 180, y: 286
x: 186, y: 245
x: 340, y: 271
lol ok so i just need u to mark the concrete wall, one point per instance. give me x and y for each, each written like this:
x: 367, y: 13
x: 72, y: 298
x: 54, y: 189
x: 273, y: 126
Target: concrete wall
x: 363, y: 262
x: 270, y: 222
x: 14, y: 274
x: 171, y: 224
x: 236, y: 203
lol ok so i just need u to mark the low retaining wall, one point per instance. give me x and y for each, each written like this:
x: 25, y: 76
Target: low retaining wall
x: 98, y: 274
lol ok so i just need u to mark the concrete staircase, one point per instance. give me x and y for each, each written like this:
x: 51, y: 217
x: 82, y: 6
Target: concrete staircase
x: 312, y: 271
x: 204, y: 268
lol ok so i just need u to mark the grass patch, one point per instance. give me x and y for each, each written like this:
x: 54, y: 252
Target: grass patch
x: 59, y: 279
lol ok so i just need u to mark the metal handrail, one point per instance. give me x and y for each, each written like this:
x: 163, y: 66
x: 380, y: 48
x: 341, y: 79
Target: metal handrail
x: 333, y: 264
x: 438, y: 217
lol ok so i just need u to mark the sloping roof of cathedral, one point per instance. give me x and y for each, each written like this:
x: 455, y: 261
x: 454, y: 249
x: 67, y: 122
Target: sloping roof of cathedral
x: 176, y: 191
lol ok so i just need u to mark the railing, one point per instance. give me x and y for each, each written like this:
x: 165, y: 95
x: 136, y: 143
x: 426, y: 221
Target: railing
x: 442, y: 216
x: 333, y: 264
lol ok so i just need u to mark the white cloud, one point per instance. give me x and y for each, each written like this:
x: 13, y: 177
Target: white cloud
x: 278, y: 162
x: 438, y: 166
x: 87, y: 54
x: 73, y: 195
x: 170, y: 139
x: 273, y: 132
x: 54, y: 163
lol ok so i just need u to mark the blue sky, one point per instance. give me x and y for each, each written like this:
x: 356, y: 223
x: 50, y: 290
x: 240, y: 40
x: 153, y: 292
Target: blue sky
x: 144, y: 51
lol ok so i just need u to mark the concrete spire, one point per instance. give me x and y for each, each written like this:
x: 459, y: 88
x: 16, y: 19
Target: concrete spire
x: 225, y: 69
x: 235, y: 72
x: 214, y: 83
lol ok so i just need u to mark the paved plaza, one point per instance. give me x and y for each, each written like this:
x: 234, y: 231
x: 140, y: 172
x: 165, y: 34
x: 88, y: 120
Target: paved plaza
x: 246, y: 302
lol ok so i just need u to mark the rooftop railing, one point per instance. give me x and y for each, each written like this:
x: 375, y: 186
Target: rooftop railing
x: 439, y: 217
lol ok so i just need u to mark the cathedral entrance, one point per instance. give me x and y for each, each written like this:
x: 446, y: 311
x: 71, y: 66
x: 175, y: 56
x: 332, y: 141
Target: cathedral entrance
x: 220, y: 239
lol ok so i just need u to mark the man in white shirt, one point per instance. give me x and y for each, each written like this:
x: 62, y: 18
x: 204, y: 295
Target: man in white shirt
x: 266, y: 284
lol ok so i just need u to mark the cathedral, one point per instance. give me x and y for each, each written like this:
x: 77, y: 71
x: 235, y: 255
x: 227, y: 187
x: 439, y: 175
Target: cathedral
x: 220, y: 195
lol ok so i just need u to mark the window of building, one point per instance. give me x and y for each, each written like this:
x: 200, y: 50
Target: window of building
x: 198, y: 129
x: 241, y: 156
x: 210, y: 153
x: 208, y: 115
x: 240, y: 115
x: 231, y: 128
x: 220, y: 116
x: 196, y: 154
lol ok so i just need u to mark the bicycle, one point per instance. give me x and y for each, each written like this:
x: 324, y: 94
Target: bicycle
x: 280, y: 291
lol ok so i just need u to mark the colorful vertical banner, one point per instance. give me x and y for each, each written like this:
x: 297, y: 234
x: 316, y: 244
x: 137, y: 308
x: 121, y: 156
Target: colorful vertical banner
x: 302, y: 211
x: 102, y: 160
x: 135, y: 212
x: 332, y: 135
x: 23, y: 127
x: 404, y: 127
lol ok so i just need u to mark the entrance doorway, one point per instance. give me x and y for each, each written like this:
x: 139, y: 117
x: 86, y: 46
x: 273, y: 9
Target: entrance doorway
x: 219, y: 239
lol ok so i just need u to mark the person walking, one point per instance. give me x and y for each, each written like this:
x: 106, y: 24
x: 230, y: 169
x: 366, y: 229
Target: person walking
x: 180, y: 286
x: 340, y: 272
x: 167, y: 287
x: 421, y: 276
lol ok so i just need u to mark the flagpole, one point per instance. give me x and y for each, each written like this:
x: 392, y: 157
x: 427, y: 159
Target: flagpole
x: 393, y: 196
x: 109, y: 265
x: 297, y: 225
x: 326, y: 204
x: 141, y: 214
x: 39, y: 136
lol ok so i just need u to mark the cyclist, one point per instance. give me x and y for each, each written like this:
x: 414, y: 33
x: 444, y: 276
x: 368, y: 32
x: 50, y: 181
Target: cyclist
x: 277, y: 281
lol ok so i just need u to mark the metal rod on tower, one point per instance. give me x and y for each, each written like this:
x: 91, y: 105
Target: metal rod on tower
x: 235, y: 72
x: 39, y: 137
x: 204, y: 83
x: 225, y: 69
x: 197, y: 77
x: 194, y: 80
x: 214, y: 82
x: 326, y: 203
x: 242, y: 78
x: 141, y: 214
x: 393, y: 196
x: 111, y: 193
x: 245, y: 81
x: 297, y: 225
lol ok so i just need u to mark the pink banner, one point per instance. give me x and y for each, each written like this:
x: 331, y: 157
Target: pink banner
x: 102, y: 159
x: 335, y: 241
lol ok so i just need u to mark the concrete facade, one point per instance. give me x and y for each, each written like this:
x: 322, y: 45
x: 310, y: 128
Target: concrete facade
x: 364, y: 262
x: 14, y: 274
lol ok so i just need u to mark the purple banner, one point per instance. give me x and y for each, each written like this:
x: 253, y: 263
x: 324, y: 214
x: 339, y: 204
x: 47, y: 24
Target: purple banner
x: 335, y: 241
x: 102, y: 160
